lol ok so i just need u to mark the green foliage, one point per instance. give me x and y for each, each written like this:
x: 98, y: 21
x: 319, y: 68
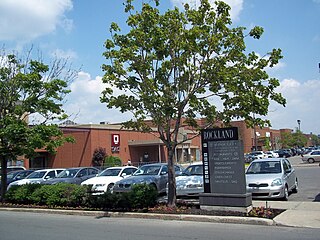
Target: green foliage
x: 29, y: 87
x: 143, y: 196
x: 22, y: 194
x: 62, y: 195
x: 112, y: 161
x: 71, y: 195
x: 296, y: 139
x: 315, y: 140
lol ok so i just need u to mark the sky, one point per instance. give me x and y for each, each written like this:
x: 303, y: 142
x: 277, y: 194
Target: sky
x: 78, y: 29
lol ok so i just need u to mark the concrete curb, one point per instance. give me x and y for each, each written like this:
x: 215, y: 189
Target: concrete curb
x: 177, y: 217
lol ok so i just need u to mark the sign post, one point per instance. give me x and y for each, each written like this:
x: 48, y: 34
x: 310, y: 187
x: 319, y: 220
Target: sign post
x: 224, y: 171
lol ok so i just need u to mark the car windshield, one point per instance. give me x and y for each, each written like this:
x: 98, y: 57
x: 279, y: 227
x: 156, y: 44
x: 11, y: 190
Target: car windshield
x: 68, y: 173
x: 194, y: 170
x: 148, y: 170
x: 36, y: 175
x: 110, y: 172
x: 265, y: 167
x: 12, y: 174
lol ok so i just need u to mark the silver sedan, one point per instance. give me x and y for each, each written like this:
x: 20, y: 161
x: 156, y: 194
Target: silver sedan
x: 155, y: 175
x: 271, y: 178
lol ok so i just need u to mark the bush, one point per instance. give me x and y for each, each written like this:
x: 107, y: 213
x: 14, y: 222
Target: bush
x: 21, y: 194
x: 112, y: 161
x: 61, y: 194
x: 142, y: 196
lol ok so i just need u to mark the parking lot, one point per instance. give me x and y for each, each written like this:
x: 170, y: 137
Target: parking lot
x: 309, y: 181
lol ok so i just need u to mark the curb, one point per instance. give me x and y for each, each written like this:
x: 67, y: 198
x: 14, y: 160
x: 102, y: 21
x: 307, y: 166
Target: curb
x: 177, y: 217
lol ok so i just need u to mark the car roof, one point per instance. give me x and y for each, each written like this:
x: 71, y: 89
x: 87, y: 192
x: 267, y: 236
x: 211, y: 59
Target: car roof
x: 267, y: 159
x: 49, y: 169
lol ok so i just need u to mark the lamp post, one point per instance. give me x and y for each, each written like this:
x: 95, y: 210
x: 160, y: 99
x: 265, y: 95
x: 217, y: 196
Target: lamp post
x: 299, y: 121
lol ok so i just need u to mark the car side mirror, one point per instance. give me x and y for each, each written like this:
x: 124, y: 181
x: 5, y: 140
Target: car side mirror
x: 123, y: 175
x: 163, y: 173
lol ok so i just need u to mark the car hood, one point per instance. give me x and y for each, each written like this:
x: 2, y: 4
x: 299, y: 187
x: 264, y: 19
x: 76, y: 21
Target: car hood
x: 138, y: 179
x: 262, y: 178
x: 185, y: 180
x: 27, y: 181
x: 101, y: 180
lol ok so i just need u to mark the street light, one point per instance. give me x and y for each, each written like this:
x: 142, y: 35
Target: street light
x: 299, y: 121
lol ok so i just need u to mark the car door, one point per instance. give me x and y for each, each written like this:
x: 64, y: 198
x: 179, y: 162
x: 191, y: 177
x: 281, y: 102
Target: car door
x: 316, y: 155
x: 81, y: 176
x: 163, y: 178
x: 289, y: 173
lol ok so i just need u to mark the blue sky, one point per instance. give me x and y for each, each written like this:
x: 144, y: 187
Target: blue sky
x: 78, y: 29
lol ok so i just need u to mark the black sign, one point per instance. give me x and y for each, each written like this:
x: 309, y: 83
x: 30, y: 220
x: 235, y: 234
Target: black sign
x: 223, y: 161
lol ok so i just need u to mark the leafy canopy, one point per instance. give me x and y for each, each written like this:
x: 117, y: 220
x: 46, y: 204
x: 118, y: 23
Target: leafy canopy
x: 173, y: 65
x: 29, y: 87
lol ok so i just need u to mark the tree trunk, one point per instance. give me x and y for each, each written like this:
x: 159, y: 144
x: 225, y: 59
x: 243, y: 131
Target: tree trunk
x: 171, y: 179
x: 3, y: 178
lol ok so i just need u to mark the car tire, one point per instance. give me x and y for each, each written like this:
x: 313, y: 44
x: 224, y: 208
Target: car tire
x: 110, y: 186
x: 285, y: 194
x: 310, y: 160
x: 295, y: 188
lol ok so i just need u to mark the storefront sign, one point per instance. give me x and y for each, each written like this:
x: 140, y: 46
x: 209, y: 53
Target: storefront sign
x: 115, y: 142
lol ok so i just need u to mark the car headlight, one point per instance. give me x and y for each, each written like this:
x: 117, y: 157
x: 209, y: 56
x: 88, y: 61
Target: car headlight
x: 276, y: 182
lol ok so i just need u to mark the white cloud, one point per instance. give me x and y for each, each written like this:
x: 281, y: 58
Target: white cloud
x: 24, y: 21
x: 302, y: 101
x: 236, y: 5
x: 62, y: 54
x: 83, y: 103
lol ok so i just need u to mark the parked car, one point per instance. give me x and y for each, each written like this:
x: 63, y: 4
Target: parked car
x: 39, y: 176
x: 258, y: 154
x: 155, y: 175
x: 105, y: 181
x: 284, y: 153
x: 14, y: 168
x: 16, y: 175
x: 311, y: 157
x: 272, y: 154
x: 271, y: 178
x: 74, y: 175
x: 190, y: 183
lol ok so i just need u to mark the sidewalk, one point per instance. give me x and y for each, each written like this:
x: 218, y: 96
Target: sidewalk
x: 298, y: 214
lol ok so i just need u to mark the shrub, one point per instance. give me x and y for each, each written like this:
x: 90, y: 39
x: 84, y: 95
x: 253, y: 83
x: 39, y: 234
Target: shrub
x: 112, y: 161
x: 143, y: 196
x: 22, y: 194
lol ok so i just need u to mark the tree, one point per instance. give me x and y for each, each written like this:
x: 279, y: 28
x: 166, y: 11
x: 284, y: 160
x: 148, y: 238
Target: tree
x: 315, y: 140
x: 172, y: 67
x: 292, y: 140
x: 29, y: 87
x: 99, y: 156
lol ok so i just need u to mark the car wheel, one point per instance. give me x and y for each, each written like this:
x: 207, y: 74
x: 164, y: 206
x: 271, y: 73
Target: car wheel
x: 310, y: 160
x: 295, y: 188
x: 286, y: 194
x: 110, y: 186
